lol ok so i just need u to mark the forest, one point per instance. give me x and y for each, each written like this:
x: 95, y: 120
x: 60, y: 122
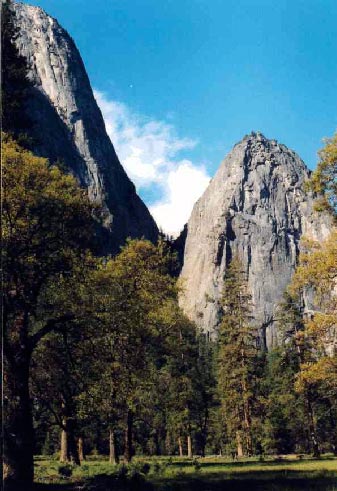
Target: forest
x: 99, y: 358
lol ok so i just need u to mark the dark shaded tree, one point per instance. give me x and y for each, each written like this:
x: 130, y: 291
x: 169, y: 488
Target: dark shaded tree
x: 46, y: 226
x: 15, y: 83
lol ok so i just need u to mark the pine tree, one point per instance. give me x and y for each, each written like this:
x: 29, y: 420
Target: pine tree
x: 236, y: 356
x: 284, y: 428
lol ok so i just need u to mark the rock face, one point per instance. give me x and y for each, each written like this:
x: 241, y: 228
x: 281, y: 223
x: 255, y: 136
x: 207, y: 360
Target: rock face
x: 256, y: 208
x: 68, y: 126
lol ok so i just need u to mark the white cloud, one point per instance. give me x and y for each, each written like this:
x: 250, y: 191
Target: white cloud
x: 149, y: 151
x: 185, y: 184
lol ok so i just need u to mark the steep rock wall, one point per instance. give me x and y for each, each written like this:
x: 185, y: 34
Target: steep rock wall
x: 256, y: 208
x: 68, y: 126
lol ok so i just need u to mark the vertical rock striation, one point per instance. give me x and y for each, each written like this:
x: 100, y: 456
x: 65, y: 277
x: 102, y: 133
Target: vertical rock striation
x: 255, y: 207
x: 68, y: 126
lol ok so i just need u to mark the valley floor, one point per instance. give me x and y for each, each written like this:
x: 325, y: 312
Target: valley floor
x: 289, y: 473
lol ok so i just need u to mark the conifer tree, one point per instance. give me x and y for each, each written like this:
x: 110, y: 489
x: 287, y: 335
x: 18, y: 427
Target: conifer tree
x: 236, y: 355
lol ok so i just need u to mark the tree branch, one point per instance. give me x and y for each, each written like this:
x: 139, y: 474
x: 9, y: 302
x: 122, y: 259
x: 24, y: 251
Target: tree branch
x: 50, y: 326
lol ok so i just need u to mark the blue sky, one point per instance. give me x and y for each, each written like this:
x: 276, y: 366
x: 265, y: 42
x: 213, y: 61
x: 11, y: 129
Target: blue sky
x: 197, y: 75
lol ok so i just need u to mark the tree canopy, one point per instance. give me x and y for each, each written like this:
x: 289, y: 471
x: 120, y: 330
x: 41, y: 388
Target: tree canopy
x: 324, y: 178
x: 46, y: 227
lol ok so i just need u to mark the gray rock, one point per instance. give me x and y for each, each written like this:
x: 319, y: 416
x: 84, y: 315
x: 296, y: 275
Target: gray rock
x: 255, y: 207
x: 68, y: 126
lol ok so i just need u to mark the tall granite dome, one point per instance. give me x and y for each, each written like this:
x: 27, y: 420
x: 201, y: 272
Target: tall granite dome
x: 256, y: 208
x: 68, y: 126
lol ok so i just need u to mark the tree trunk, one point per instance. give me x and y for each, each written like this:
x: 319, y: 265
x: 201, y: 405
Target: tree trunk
x: 18, y: 468
x: 239, y: 444
x: 81, y: 449
x: 156, y: 443
x: 168, y: 444
x: 180, y: 445
x: 247, y: 426
x: 113, y: 456
x: 202, y: 445
x: 246, y: 411
x: 64, y: 455
x: 189, y: 446
x: 128, y: 450
x: 333, y: 432
x: 69, y: 448
x: 72, y: 446
x: 312, y: 430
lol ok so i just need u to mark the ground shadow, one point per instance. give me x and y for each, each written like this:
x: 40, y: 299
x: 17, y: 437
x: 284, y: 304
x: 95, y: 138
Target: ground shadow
x: 251, y: 485
x: 188, y: 483
x: 101, y: 482
x: 245, y: 463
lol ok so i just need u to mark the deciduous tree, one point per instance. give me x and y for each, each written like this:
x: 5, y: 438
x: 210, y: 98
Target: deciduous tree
x: 316, y: 278
x: 46, y: 225
x: 324, y: 178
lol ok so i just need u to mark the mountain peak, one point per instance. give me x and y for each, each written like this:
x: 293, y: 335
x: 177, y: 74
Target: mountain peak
x: 255, y: 135
x: 256, y: 150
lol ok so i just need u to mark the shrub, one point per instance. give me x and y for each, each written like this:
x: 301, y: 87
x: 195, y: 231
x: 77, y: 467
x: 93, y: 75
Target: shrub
x: 136, y: 477
x: 65, y: 471
x: 159, y: 468
x: 121, y: 471
x: 197, y: 465
x: 85, y: 468
x: 145, y: 468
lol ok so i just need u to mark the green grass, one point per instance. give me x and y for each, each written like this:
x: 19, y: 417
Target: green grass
x: 181, y: 474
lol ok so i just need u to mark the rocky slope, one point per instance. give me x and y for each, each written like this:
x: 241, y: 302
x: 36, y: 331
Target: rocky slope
x: 255, y: 207
x: 68, y: 126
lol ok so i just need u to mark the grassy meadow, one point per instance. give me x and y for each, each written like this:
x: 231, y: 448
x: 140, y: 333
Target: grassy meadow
x: 181, y: 474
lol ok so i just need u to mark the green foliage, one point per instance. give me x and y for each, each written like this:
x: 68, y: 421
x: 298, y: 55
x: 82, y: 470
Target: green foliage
x: 283, y: 429
x: 324, y: 179
x: 51, y: 440
x: 46, y: 229
x: 317, y: 374
x: 130, y: 358
x: 47, y: 225
x: 134, y: 298
x: 197, y: 465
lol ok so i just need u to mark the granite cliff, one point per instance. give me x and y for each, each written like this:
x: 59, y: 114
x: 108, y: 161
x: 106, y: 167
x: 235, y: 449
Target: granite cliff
x: 68, y: 126
x: 255, y: 207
